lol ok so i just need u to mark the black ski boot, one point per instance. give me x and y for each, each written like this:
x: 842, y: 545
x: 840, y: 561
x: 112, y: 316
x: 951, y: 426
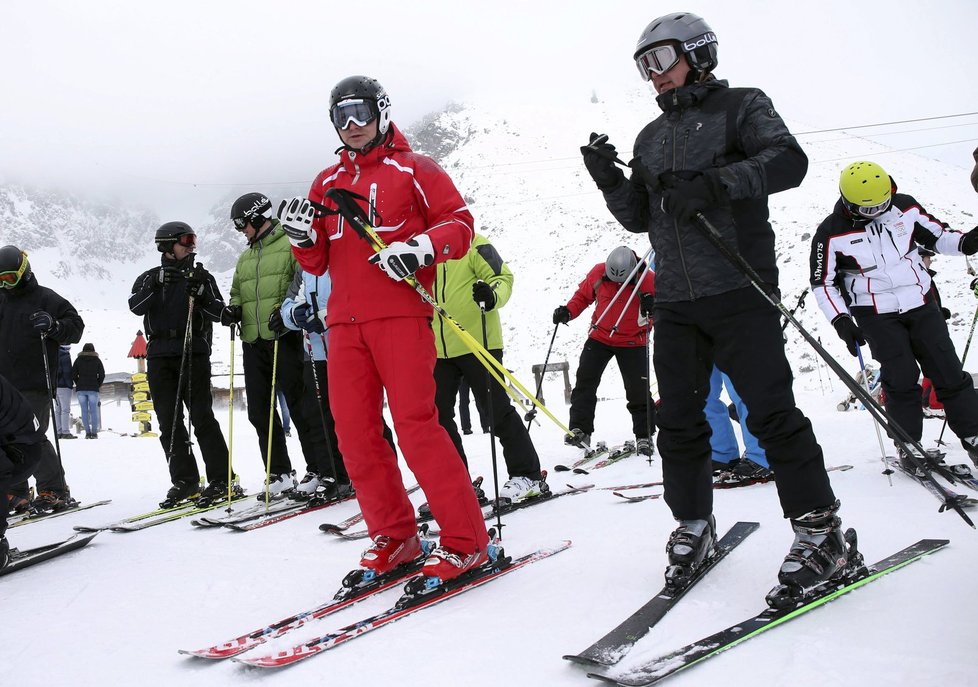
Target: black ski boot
x: 182, y: 490
x: 820, y: 555
x: 971, y: 447
x: 330, y: 490
x: 217, y: 491
x: 689, y: 545
x: 4, y: 553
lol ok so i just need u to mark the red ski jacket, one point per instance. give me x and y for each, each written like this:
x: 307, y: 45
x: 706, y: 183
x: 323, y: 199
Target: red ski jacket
x: 411, y: 194
x: 596, y: 287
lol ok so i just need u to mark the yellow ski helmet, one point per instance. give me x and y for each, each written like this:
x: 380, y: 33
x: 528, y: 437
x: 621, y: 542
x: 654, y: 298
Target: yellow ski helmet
x: 866, y: 189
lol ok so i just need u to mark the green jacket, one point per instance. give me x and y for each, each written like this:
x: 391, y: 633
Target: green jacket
x: 261, y: 280
x: 453, y: 291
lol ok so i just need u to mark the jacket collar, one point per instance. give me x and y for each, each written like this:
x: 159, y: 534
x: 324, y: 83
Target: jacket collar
x: 684, y: 97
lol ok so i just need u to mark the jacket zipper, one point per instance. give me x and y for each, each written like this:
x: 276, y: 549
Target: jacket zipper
x: 675, y: 223
x: 257, y: 285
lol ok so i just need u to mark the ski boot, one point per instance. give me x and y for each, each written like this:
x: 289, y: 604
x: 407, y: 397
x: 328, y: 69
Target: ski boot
x: 330, y: 490
x: 217, y: 491
x: 51, y: 502
x: 971, y: 447
x: 519, y: 489
x: 307, y: 486
x: 577, y: 438
x: 820, y: 556
x: 279, y: 486
x: 181, y: 491
x: 743, y: 473
x: 424, y: 510
x: 644, y: 446
x: 689, y: 545
x: 18, y: 504
x: 4, y: 553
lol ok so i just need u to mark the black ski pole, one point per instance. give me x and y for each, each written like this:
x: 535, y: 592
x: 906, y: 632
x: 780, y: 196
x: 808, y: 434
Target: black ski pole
x: 319, y: 392
x: 799, y: 304
x: 492, y: 426
x: 47, y: 378
x: 177, y: 406
x: 532, y: 413
x: 964, y: 356
x: 648, y: 386
x: 899, y: 435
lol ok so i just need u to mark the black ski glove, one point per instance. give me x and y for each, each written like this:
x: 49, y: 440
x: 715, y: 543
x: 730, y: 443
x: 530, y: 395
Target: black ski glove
x: 847, y: 330
x: 197, y: 279
x: 231, y: 315
x: 647, y: 304
x: 598, y: 158
x: 685, y: 198
x: 275, y: 322
x: 168, y: 274
x: 43, y: 322
x: 306, y: 319
x: 946, y: 313
x: 561, y: 315
x: 484, y: 294
x: 969, y: 242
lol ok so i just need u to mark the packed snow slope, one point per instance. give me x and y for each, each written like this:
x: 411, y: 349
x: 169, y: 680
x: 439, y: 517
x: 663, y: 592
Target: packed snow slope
x: 119, y: 609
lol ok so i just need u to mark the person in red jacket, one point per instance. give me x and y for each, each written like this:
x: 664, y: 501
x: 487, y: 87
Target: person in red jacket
x: 619, y: 329
x: 380, y: 335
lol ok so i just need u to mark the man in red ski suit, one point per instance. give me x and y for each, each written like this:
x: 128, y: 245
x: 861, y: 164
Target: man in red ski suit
x: 380, y: 334
x: 619, y: 329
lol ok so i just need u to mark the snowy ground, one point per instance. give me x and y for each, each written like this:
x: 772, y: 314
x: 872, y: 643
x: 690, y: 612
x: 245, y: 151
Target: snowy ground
x: 117, y: 611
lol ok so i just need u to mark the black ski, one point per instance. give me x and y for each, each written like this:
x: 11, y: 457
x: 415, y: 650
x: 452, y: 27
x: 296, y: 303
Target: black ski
x: 613, y: 646
x: 28, y: 557
x: 618, y: 453
x: 590, y: 454
x: 660, y: 668
x: 942, y: 493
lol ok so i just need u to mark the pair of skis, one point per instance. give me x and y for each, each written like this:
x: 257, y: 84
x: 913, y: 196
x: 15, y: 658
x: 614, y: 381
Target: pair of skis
x: 488, y: 513
x: 609, y: 651
x: 157, y: 517
x: 28, y: 518
x: 256, y: 517
x: 608, y: 456
x: 409, y: 603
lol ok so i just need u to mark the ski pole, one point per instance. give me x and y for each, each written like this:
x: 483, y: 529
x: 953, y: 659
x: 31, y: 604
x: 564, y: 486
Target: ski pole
x: 964, y: 356
x: 648, y: 382
x: 492, y: 426
x: 231, y: 420
x: 187, y: 343
x: 319, y: 392
x: 47, y: 378
x: 351, y: 212
x: 900, y: 435
x: 886, y: 468
x: 271, y: 423
x: 532, y: 413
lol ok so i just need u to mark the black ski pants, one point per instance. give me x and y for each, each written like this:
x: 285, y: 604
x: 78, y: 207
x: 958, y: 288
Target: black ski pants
x: 518, y: 451
x: 899, y: 341
x: 258, y: 358
x: 740, y: 333
x: 595, y: 357
x: 316, y: 408
x: 163, y: 375
x: 48, y: 473
x: 17, y: 463
x: 464, y: 414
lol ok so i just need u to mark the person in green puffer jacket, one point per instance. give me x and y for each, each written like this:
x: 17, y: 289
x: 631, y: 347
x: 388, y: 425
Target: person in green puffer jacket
x: 460, y: 286
x: 261, y: 280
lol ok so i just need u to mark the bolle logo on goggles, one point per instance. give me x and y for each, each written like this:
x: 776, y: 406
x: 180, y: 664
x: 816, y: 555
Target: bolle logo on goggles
x: 705, y: 39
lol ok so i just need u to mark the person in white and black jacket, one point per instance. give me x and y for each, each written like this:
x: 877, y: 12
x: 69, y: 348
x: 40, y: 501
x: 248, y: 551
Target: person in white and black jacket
x: 870, y: 281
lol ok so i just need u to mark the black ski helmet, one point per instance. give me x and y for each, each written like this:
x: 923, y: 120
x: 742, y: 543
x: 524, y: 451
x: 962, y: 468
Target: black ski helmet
x: 695, y: 38
x: 250, y: 206
x: 620, y: 263
x: 167, y: 235
x: 373, y: 95
x: 14, y: 262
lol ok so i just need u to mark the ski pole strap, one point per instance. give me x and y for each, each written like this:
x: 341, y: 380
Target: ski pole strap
x: 354, y: 215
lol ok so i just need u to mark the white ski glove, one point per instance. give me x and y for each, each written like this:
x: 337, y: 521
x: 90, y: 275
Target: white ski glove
x: 296, y: 216
x: 401, y: 259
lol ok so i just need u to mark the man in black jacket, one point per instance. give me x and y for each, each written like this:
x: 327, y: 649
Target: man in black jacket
x: 162, y: 295
x: 718, y: 151
x: 88, y: 373
x: 21, y: 445
x: 34, y: 320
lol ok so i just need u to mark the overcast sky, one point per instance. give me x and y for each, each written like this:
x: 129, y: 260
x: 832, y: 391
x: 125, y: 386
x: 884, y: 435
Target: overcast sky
x: 169, y: 103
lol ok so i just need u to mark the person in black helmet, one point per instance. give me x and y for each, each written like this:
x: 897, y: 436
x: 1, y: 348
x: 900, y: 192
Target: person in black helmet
x: 623, y: 292
x: 29, y: 315
x: 718, y: 151
x: 162, y: 295
x: 262, y: 278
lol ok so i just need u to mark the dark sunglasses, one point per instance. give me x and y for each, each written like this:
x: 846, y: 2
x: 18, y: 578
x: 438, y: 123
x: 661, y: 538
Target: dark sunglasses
x: 256, y: 221
x: 188, y: 240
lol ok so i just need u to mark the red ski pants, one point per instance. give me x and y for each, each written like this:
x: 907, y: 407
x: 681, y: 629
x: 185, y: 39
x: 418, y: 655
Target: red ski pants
x: 397, y: 354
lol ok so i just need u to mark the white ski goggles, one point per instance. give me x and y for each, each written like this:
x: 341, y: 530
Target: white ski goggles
x: 657, y: 60
x: 869, y: 211
x: 360, y: 112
